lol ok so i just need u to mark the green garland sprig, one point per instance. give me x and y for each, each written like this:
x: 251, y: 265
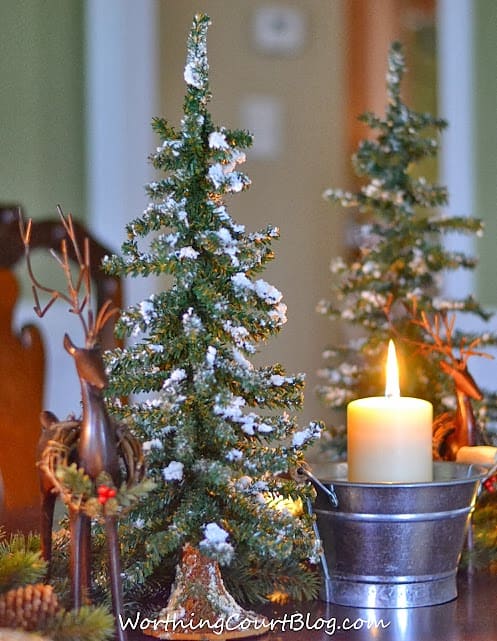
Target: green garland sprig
x: 100, y: 498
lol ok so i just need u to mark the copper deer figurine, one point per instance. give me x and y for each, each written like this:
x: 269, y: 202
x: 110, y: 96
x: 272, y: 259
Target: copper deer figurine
x: 94, y: 442
x: 462, y: 429
x: 466, y: 430
x: 451, y: 431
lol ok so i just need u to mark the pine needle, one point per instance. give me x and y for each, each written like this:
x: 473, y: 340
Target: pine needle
x: 20, y: 562
x: 85, y: 624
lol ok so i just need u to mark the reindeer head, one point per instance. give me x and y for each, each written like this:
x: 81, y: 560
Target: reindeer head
x: 89, y: 363
x: 463, y: 380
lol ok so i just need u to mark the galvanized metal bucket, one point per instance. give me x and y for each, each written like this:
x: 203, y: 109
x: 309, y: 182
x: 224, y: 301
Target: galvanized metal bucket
x: 395, y: 545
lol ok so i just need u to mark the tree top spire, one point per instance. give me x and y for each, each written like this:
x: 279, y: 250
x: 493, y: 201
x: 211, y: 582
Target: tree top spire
x: 395, y: 70
x: 197, y: 66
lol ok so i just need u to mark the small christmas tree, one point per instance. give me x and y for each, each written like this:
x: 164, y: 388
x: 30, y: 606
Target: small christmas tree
x: 400, y: 261
x: 216, y: 459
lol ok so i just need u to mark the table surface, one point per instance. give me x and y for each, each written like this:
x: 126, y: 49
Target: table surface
x: 470, y: 617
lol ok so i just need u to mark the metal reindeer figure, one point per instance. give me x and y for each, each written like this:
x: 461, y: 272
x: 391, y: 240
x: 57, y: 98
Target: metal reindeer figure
x: 450, y: 431
x: 453, y: 432
x: 94, y: 442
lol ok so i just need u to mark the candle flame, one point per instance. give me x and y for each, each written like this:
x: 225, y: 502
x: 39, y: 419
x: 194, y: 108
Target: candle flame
x: 392, y: 387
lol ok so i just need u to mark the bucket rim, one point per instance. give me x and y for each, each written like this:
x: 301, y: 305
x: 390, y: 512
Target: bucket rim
x: 468, y: 473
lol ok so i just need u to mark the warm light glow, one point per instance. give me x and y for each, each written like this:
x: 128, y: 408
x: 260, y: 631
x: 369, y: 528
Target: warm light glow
x: 392, y: 387
x: 294, y: 506
x: 281, y: 598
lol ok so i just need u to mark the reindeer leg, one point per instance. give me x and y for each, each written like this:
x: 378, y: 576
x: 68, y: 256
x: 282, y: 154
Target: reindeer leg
x: 47, y: 421
x: 46, y: 525
x: 115, y: 574
x: 80, y: 557
x: 86, y: 557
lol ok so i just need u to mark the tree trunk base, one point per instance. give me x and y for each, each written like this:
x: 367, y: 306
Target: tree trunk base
x: 200, y: 608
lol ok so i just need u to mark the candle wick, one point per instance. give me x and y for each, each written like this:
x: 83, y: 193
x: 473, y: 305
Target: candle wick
x: 392, y: 388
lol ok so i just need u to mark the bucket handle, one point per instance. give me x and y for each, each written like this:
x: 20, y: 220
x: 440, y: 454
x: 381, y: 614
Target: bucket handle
x: 303, y: 470
x: 491, y: 471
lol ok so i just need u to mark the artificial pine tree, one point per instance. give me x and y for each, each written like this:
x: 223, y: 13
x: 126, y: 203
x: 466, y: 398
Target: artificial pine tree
x: 220, y: 439
x: 399, y: 264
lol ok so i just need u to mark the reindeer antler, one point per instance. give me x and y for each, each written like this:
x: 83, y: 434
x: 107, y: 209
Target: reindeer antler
x: 78, y: 294
x: 441, y: 332
x: 443, y: 343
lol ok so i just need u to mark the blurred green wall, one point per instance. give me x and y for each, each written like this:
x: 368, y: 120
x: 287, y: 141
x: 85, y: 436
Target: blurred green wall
x: 485, y: 96
x: 42, y: 155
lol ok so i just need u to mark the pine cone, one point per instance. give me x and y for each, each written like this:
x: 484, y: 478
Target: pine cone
x: 28, y: 607
x: 6, y: 634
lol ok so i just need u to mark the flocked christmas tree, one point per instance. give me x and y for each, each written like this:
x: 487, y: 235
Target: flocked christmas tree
x: 221, y: 433
x: 396, y: 273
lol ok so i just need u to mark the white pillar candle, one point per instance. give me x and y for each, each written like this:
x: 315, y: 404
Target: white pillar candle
x: 482, y: 454
x: 389, y: 438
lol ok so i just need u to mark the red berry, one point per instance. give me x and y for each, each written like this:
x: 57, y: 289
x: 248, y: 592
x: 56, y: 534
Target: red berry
x: 102, y: 490
x: 490, y: 484
x: 112, y: 492
x: 102, y: 500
